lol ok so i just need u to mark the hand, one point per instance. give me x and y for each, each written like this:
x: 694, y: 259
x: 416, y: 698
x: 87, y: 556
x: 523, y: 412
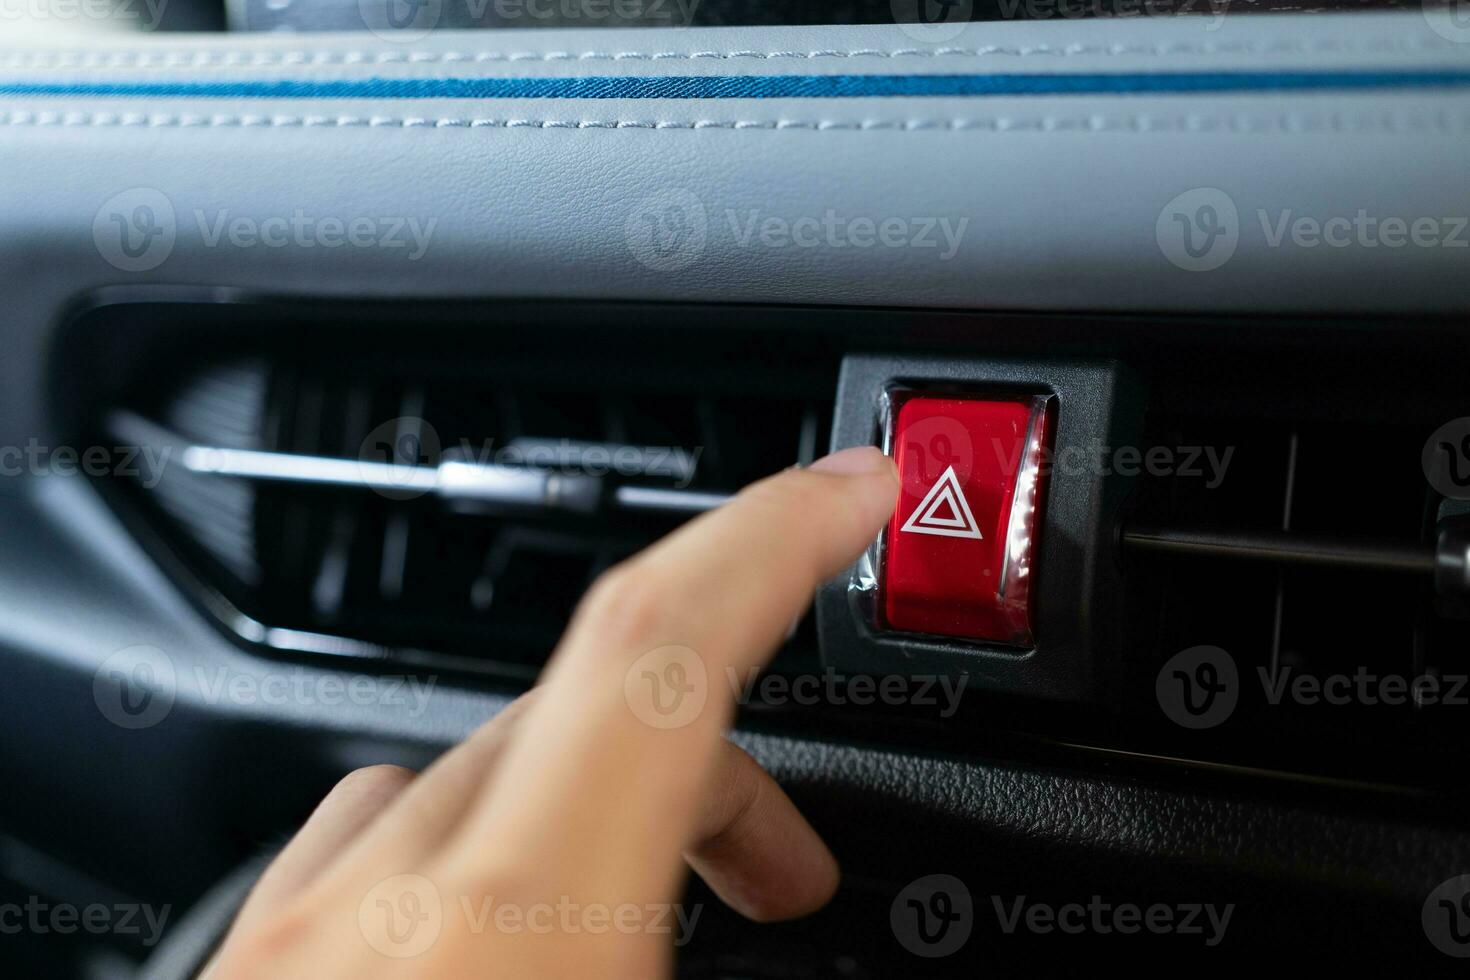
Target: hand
x: 554, y: 840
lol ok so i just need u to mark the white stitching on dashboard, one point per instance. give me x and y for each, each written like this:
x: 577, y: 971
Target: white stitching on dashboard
x: 260, y: 59
x: 1291, y: 123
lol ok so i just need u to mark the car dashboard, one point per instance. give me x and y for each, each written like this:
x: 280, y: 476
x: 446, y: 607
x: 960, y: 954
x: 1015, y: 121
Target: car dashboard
x: 338, y: 366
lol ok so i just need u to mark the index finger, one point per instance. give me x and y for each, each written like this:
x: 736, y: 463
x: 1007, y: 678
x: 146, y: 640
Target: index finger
x: 600, y: 791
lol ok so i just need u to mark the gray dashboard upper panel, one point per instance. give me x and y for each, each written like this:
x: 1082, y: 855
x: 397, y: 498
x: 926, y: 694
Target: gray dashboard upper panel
x: 1063, y: 202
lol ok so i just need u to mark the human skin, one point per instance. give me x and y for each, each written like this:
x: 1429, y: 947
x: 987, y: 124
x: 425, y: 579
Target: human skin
x: 587, y: 799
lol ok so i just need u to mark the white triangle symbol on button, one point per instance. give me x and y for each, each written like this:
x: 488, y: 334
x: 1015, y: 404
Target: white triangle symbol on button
x: 946, y: 492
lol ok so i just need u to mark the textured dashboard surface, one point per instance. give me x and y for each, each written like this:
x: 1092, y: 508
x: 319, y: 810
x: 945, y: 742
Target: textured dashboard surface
x: 1019, y: 813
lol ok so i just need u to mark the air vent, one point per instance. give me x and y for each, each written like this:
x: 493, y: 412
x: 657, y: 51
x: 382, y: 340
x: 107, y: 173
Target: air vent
x: 1303, y: 541
x: 453, y: 507
x: 338, y: 483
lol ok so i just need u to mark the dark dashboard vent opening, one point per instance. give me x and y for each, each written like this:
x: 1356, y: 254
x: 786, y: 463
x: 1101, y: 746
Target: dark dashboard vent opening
x: 1310, y: 554
x: 407, y: 540
x: 509, y: 488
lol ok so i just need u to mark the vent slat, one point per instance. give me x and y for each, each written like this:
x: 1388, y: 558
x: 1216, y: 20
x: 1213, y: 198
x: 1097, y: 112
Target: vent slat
x: 309, y: 536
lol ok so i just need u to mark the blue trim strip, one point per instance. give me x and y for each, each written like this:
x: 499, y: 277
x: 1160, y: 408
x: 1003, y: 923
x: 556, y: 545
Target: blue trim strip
x: 762, y: 86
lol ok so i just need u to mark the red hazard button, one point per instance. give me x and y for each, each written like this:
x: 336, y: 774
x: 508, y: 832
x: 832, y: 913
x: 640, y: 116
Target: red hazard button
x: 958, y: 555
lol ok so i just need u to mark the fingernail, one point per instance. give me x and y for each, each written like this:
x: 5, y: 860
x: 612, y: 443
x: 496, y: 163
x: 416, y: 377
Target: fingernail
x: 855, y: 461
